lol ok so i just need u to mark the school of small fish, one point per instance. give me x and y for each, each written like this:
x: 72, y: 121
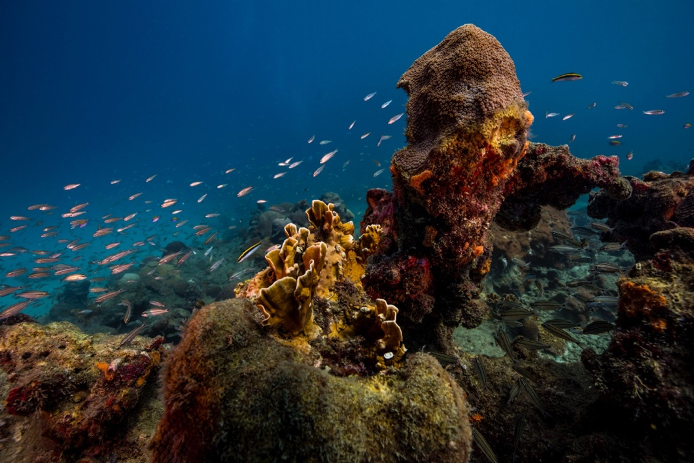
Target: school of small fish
x: 572, y: 76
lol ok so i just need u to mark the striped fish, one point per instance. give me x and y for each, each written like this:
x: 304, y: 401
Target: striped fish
x: 32, y: 294
x: 515, y: 390
x: 131, y: 336
x: 598, y: 327
x: 504, y: 343
x: 168, y: 258
x: 8, y: 290
x: 128, y: 310
x: 606, y: 268
x: 248, y: 252
x: 562, y: 323
x: 109, y: 295
x: 533, y: 396
x: 546, y: 305
x: 514, y: 314
x: 531, y: 344
x: 520, y: 426
x: 211, y: 237
x: 524, y: 372
x: 483, y: 445
x: 561, y: 333
x: 14, y: 309
x: 479, y: 368
x: 443, y: 359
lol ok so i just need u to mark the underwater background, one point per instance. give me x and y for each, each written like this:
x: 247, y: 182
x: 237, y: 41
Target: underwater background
x: 137, y: 136
x: 92, y: 93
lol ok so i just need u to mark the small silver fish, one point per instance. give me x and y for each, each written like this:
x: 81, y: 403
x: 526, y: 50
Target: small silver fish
x: 395, y: 118
x: 327, y: 157
x: 622, y: 83
x: 216, y: 265
x: 654, y: 112
x: 550, y: 115
x: 570, y: 115
x: 677, y: 95
x: 386, y: 104
x: 369, y: 96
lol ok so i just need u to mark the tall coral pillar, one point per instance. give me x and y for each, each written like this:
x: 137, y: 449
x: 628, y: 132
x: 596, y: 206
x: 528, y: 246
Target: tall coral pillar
x: 466, y: 131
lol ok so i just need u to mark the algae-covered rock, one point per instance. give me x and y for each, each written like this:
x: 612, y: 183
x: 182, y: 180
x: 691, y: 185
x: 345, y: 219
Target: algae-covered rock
x: 233, y: 393
x: 74, y: 390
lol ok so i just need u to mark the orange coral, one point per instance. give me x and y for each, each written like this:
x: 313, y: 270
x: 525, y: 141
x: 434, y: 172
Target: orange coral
x: 416, y: 180
x: 486, y: 267
x: 529, y: 118
x: 103, y: 367
x: 476, y: 418
x: 641, y: 299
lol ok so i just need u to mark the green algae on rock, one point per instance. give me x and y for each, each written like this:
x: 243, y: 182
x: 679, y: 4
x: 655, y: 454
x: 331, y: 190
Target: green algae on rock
x: 233, y: 393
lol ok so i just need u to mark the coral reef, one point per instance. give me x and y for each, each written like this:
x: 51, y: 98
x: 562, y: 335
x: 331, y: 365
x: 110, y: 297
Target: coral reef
x: 552, y: 176
x: 646, y: 370
x: 467, y: 127
x: 76, y: 389
x: 324, y: 263
x: 234, y: 394
x: 660, y: 202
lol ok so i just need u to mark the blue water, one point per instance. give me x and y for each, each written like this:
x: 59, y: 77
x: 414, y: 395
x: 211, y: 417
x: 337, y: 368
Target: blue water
x: 92, y: 92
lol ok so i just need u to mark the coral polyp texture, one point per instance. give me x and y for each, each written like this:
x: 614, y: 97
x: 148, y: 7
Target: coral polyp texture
x: 233, y: 393
x: 466, y: 131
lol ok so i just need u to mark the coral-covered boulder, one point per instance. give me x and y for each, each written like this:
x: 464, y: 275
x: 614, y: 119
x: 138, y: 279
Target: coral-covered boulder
x: 233, y: 393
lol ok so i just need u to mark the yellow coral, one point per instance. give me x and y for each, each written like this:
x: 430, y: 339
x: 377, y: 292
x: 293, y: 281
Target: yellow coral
x: 309, y: 264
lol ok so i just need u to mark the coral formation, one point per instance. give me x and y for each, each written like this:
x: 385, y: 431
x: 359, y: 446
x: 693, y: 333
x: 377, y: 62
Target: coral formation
x: 82, y: 386
x: 552, y: 176
x: 646, y: 370
x: 318, y: 264
x: 467, y: 128
x: 659, y: 202
x: 234, y: 394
